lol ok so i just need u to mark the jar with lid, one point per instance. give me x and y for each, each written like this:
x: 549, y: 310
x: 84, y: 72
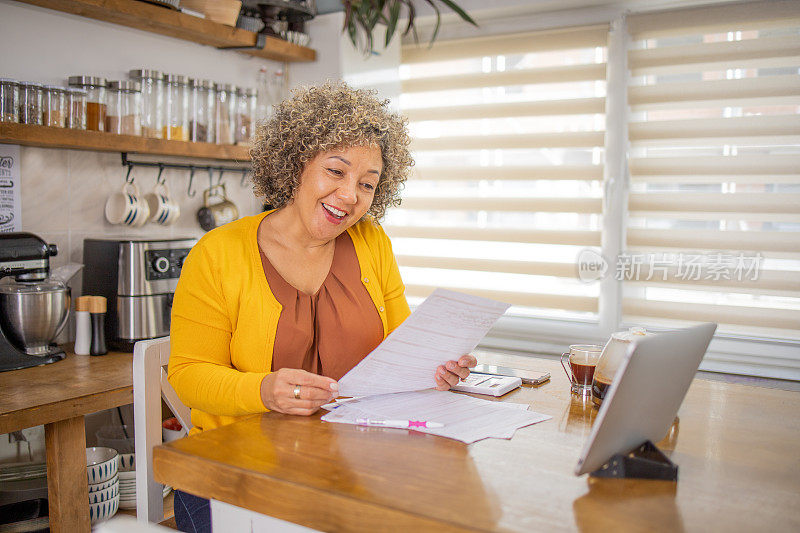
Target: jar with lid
x: 76, y: 109
x: 225, y: 114
x: 201, y: 113
x: 53, y: 99
x: 176, y: 107
x: 124, y: 107
x: 30, y: 102
x: 9, y: 100
x: 152, y: 101
x: 245, y: 114
x: 95, y: 100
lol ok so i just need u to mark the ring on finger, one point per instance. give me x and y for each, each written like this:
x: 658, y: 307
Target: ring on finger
x: 297, y: 392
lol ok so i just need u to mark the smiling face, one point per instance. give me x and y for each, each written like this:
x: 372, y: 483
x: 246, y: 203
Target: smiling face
x: 336, y: 190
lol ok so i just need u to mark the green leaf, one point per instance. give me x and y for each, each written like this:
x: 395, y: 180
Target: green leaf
x: 461, y: 13
x: 394, y: 15
x: 438, y: 22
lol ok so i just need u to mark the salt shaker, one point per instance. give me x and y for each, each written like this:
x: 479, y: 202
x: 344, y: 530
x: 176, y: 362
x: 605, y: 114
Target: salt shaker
x: 97, y: 310
x: 83, y: 325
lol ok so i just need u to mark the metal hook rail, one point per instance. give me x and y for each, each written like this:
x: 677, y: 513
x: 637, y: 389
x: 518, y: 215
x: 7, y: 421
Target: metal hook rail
x: 179, y: 166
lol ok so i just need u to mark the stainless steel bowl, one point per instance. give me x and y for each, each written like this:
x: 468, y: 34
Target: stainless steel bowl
x: 33, y: 314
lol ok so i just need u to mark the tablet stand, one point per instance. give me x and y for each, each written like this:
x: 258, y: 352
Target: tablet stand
x: 645, y: 462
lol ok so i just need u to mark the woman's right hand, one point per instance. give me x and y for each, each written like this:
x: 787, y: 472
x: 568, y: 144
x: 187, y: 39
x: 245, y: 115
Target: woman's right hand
x: 278, y: 391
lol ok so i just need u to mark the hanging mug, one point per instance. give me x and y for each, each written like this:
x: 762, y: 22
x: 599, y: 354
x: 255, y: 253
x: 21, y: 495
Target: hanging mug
x: 127, y: 207
x: 163, y: 210
x: 217, y: 210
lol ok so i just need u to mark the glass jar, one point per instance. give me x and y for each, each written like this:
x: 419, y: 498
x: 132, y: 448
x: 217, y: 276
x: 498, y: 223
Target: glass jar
x: 9, y: 100
x: 53, y: 106
x: 30, y: 102
x: 124, y: 107
x: 176, y: 107
x: 245, y: 114
x: 225, y: 123
x: 152, y: 101
x: 95, y: 100
x: 201, y: 114
x: 76, y: 109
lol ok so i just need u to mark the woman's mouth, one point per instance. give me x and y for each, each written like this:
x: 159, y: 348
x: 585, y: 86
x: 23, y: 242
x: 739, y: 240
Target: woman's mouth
x: 333, y: 214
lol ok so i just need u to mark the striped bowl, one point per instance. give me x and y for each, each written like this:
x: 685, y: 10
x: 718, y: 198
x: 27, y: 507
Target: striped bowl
x: 101, y: 464
x: 105, y: 494
x: 103, y: 510
x: 94, y: 487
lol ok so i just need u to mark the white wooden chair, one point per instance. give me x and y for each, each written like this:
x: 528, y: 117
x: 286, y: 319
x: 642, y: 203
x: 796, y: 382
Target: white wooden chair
x: 150, y: 385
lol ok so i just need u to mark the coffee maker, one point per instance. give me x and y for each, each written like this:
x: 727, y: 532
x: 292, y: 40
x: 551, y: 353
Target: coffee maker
x: 28, y: 305
x: 138, y: 277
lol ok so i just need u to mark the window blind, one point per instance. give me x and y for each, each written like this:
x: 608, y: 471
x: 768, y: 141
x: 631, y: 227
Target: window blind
x: 508, y: 136
x: 714, y: 203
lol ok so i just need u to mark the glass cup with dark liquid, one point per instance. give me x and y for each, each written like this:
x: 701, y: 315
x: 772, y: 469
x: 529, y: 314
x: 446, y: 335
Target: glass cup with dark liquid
x: 582, y: 363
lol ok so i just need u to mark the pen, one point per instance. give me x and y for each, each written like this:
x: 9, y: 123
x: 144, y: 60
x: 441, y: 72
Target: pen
x: 402, y: 424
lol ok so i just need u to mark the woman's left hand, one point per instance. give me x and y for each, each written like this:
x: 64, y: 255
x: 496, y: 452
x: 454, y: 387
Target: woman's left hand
x: 449, y: 374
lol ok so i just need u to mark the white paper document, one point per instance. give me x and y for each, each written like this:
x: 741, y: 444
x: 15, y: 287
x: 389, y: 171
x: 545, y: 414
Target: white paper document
x: 444, y: 327
x: 465, y: 418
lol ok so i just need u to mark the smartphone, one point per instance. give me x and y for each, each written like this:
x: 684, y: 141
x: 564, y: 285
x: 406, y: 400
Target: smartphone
x: 531, y: 377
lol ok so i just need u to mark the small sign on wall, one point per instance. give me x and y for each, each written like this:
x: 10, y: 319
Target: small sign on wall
x: 10, y: 197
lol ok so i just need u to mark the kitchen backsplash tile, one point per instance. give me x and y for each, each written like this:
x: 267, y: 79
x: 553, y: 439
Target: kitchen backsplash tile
x: 64, y: 194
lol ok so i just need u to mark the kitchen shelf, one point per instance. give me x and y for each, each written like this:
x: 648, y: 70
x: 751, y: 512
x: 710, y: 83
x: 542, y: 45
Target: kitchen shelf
x: 164, y: 21
x: 48, y: 137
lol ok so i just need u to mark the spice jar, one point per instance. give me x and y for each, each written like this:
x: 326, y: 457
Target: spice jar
x: 9, y: 100
x: 123, y: 108
x: 53, y: 106
x: 30, y: 102
x: 201, y: 113
x: 95, y: 100
x: 152, y: 101
x: 245, y: 114
x: 176, y: 107
x: 76, y: 109
x: 225, y: 114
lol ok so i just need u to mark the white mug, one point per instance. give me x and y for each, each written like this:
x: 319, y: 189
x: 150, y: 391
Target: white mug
x: 127, y: 207
x: 163, y: 210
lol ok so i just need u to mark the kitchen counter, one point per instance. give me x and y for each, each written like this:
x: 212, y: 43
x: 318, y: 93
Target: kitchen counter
x: 58, y: 395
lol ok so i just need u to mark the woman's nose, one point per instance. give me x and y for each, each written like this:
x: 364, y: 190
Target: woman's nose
x: 347, y: 193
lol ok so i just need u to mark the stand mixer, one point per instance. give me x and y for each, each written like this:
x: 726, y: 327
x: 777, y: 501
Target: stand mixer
x: 33, y: 308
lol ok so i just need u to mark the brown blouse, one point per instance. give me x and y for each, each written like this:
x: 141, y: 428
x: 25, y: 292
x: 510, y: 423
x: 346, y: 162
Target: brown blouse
x: 327, y: 333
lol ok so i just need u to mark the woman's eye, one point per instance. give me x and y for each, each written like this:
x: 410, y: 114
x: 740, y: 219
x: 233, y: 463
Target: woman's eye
x: 368, y: 186
x: 336, y: 171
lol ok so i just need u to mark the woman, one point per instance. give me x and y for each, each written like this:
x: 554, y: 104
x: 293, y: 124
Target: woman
x: 271, y: 310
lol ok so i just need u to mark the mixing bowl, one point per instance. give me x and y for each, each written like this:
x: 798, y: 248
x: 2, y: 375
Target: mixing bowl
x: 33, y: 313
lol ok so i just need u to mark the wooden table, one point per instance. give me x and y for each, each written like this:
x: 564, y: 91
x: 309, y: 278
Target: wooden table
x: 737, y: 447
x: 58, y: 395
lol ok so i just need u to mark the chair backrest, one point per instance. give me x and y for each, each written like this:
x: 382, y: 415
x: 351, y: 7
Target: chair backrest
x: 150, y: 385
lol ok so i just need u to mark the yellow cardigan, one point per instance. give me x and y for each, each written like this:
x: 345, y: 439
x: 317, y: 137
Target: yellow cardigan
x: 224, y: 317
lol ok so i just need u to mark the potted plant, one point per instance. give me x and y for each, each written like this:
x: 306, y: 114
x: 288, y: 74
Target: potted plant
x: 362, y: 16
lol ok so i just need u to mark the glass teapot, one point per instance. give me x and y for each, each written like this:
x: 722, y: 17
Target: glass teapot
x: 613, y: 354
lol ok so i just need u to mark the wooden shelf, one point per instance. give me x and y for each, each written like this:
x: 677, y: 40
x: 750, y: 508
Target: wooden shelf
x: 164, y: 21
x: 47, y: 137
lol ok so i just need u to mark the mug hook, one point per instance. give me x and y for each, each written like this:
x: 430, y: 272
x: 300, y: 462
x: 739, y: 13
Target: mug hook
x: 189, y: 191
x: 243, y: 181
x: 128, y: 177
x: 159, y: 179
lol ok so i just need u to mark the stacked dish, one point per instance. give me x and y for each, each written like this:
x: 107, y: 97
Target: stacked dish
x: 101, y: 471
x: 127, y: 481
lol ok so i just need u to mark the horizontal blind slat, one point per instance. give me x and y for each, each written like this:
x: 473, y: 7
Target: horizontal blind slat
x: 576, y: 238
x: 553, y: 301
x: 510, y: 44
x: 574, y: 106
x: 534, y: 268
x: 550, y: 205
x: 716, y: 90
x: 643, y: 167
x: 560, y: 74
x: 582, y: 139
x: 709, y: 19
x: 712, y: 202
x: 764, y: 241
x: 722, y: 53
x: 773, y: 280
x: 725, y: 314
x: 550, y: 172
x: 746, y: 127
